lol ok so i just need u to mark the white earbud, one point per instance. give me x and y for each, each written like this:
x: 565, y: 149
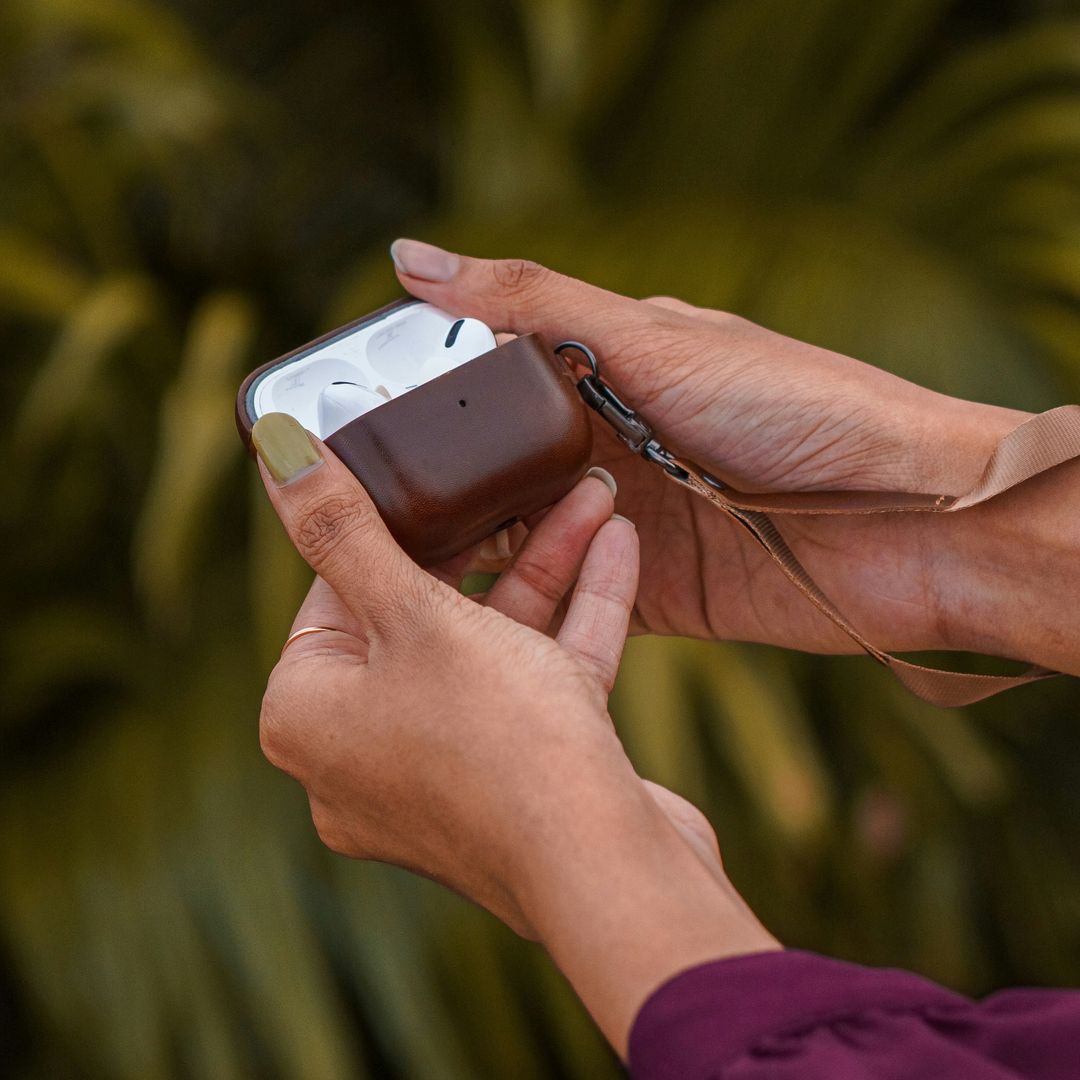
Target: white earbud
x: 330, y: 384
x: 465, y: 340
x: 426, y: 343
x: 342, y: 402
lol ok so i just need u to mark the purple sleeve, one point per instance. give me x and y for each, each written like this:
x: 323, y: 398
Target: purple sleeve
x: 798, y: 1016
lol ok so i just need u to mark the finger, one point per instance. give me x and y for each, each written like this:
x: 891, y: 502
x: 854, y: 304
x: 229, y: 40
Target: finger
x: 336, y: 528
x: 545, y: 567
x: 453, y: 570
x: 534, y: 519
x: 341, y: 634
x: 598, y: 616
x: 525, y: 297
x: 490, y: 556
x: 323, y: 607
x: 494, y: 553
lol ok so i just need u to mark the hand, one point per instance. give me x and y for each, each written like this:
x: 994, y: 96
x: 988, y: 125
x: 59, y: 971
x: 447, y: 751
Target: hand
x: 454, y: 738
x: 427, y: 724
x: 763, y: 412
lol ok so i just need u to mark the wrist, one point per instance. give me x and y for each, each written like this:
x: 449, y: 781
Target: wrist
x: 1007, y: 573
x: 622, y: 903
x: 956, y: 441
x: 1003, y: 574
x: 952, y: 442
x: 926, y: 581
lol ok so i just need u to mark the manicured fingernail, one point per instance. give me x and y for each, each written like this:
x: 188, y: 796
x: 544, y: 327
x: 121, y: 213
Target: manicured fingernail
x: 284, y: 447
x: 606, y: 477
x: 425, y: 261
x: 619, y: 517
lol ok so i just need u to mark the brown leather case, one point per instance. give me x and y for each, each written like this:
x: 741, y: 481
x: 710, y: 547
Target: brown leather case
x: 475, y: 449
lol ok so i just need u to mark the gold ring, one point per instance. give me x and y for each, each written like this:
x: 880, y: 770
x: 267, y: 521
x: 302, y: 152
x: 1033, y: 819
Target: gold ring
x: 305, y: 630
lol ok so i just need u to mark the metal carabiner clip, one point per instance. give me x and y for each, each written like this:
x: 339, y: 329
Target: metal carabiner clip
x: 626, y: 423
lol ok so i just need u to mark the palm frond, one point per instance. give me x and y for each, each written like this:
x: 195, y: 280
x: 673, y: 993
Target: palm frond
x: 188, y: 192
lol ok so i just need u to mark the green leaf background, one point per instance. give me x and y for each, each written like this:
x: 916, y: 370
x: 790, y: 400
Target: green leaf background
x: 190, y: 188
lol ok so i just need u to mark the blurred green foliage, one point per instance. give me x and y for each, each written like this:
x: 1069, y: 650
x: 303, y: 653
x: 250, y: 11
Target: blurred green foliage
x: 189, y: 188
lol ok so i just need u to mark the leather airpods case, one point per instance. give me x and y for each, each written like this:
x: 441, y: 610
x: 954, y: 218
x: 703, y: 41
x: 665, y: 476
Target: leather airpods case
x: 447, y: 460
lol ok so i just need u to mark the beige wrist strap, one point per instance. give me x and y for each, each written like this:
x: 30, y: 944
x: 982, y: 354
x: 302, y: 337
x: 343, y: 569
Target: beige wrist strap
x: 1039, y: 444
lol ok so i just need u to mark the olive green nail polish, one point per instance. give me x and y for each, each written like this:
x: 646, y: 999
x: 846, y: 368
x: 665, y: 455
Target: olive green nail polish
x: 284, y: 447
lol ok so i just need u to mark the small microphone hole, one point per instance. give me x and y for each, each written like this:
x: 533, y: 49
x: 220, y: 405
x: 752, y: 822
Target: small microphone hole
x: 461, y: 402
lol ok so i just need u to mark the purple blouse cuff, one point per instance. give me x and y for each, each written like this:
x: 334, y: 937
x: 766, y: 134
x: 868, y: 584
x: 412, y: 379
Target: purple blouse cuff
x: 796, y: 1014
x: 731, y: 1005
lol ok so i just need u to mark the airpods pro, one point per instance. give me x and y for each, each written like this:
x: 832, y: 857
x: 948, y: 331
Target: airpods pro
x: 349, y: 373
x: 451, y: 435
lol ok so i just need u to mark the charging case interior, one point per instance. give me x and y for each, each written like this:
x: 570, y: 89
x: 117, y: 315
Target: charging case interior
x: 388, y: 354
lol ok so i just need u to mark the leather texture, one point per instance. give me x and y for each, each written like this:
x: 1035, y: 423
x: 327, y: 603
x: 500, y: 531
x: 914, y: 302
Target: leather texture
x: 480, y: 447
x: 454, y: 460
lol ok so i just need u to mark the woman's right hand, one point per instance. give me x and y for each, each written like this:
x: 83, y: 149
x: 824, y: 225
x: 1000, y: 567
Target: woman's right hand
x: 452, y: 736
x: 763, y: 412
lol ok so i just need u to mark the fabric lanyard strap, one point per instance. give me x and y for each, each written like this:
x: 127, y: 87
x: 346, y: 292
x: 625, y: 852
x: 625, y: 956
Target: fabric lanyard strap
x: 1041, y: 443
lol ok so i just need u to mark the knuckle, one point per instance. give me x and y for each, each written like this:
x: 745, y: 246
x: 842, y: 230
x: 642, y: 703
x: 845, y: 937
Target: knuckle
x: 606, y: 593
x: 518, y: 275
x: 421, y: 618
x: 671, y: 306
x: 325, y: 523
x: 671, y: 302
x: 535, y: 574
x: 657, y: 327
x: 280, y: 717
x: 725, y: 321
x: 599, y: 659
x: 332, y: 831
x: 272, y: 740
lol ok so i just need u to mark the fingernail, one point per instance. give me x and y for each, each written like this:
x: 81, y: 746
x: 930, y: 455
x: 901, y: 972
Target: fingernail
x: 619, y: 517
x: 284, y: 447
x: 496, y: 547
x: 606, y: 477
x: 425, y: 261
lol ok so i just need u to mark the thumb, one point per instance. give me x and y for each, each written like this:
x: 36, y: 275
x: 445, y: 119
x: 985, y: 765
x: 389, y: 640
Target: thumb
x: 524, y: 297
x: 336, y: 528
